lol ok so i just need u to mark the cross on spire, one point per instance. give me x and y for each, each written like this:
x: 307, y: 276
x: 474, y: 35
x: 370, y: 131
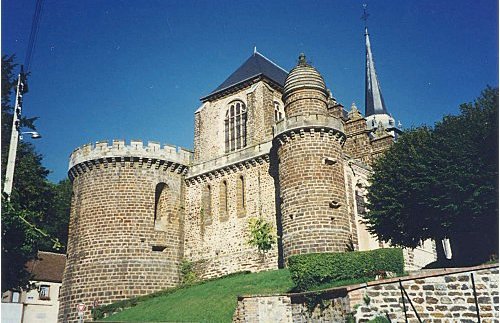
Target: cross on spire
x: 365, y: 15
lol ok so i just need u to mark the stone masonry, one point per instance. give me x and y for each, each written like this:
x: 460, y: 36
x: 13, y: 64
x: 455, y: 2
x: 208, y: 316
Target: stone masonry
x: 115, y: 251
x: 267, y: 143
x: 311, y: 168
x: 444, y: 296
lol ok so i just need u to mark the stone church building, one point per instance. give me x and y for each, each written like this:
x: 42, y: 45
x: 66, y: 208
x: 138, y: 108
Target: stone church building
x: 268, y: 143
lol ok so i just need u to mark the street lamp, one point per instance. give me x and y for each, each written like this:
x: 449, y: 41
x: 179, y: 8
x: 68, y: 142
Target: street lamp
x: 34, y: 134
x: 22, y: 87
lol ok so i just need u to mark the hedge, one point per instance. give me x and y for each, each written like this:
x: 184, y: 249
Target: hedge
x: 311, y: 270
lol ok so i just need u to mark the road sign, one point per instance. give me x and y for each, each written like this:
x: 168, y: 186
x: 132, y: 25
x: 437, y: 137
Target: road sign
x: 81, y: 308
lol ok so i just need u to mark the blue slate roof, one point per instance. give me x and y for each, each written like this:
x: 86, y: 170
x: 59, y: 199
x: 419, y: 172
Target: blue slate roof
x: 256, y: 65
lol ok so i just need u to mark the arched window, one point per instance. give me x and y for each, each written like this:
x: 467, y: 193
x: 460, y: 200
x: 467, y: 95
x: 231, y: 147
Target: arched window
x: 278, y: 111
x: 165, y: 210
x: 223, y: 206
x: 206, y: 205
x: 236, y: 126
x: 240, y: 196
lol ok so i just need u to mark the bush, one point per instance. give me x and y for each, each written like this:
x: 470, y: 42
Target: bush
x: 188, y: 274
x: 311, y: 270
x: 379, y: 319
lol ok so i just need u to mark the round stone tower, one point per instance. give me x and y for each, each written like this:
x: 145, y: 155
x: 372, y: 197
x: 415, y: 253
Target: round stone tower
x: 312, y: 192
x: 125, y: 231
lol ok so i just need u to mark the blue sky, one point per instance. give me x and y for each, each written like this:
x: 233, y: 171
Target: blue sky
x: 136, y: 69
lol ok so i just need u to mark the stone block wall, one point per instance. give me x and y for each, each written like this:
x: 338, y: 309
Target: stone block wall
x: 114, y: 250
x: 442, y: 295
x: 209, y: 134
x: 219, y: 243
x: 312, y: 193
x: 288, y: 309
x: 438, y: 296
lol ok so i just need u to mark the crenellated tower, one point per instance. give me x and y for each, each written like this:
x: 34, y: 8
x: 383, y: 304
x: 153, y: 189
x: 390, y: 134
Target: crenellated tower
x: 311, y: 173
x: 126, y: 223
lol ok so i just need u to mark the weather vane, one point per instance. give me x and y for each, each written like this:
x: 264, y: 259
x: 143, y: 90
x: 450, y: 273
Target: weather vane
x: 365, y: 14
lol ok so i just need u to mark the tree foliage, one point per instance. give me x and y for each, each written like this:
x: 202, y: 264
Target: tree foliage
x: 442, y: 182
x: 37, y: 216
x: 262, y: 234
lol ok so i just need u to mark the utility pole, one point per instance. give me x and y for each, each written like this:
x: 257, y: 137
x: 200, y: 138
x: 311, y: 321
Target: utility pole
x: 14, y: 137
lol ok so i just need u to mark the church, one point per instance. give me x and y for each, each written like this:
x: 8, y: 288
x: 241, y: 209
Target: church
x: 268, y: 143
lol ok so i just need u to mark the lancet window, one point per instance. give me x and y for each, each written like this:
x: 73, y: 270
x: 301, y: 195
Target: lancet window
x: 223, y: 207
x: 278, y: 111
x: 240, y: 196
x: 236, y: 126
x: 206, y: 205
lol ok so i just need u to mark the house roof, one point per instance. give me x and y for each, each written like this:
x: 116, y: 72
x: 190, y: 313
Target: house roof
x: 255, y: 66
x: 47, y: 267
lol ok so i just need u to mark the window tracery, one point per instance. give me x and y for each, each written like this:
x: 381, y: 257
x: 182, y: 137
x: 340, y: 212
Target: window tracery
x: 235, y: 125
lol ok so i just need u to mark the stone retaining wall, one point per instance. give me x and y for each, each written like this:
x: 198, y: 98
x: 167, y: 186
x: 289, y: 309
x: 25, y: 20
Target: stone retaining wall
x: 443, y: 295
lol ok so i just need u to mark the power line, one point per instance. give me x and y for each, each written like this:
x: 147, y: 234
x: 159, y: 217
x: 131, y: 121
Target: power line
x: 35, y: 24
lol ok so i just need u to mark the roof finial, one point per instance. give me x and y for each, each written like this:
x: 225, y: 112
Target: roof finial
x: 255, y: 50
x: 302, y: 59
x: 365, y: 15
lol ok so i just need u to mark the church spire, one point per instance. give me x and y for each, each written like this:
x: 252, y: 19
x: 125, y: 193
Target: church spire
x: 374, y: 102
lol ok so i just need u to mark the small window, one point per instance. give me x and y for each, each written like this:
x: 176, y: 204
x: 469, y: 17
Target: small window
x: 223, y: 207
x: 278, y: 111
x: 360, y: 203
x: 16, y: 297
x: 235, y: 125
x: 158, y: 248
x: 206, y: 205
x: 44, y: 292
x: 240, y: 195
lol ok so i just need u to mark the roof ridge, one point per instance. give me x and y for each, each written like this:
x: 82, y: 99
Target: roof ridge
x: 270, y: 61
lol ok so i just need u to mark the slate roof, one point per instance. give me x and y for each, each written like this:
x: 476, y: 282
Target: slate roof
x: 255, y: 66
x: 48, y: 267
x: 374, y: 101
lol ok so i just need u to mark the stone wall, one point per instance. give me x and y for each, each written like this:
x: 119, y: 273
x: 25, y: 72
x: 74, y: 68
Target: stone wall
x: 115, y: 249
x: 218, y: 241
x: 209, y: 138
x: 288, y: 309
x: 312, y: 191
x: 443, y: 295
x: 438, y: 296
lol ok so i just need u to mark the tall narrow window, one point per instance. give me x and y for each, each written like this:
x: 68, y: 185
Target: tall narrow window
x: 240, y: 196
x: 223, y: 207
x: 206, y: 205
x: 166, y: 207
x: 278, y: 111
x: 236, y: 126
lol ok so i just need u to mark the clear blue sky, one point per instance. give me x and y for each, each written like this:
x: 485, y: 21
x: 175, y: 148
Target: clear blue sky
x: 136, y: 69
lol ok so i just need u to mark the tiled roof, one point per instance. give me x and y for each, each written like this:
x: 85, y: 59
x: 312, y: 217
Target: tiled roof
x: 254, y: 66
x: 48, y: 267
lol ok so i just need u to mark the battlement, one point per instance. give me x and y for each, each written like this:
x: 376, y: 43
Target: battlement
x: 136, y: 149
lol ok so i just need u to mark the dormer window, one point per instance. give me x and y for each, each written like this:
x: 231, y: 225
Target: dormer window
x: 236, y: 126
x: 278, y: 111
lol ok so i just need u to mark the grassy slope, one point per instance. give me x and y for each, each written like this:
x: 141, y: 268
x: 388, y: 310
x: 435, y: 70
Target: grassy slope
x: 213, y: 301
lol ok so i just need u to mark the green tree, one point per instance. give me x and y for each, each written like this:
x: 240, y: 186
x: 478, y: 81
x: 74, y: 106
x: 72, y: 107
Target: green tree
x: 442, y: 182
x: 262, y: 234
x: 35, y: 206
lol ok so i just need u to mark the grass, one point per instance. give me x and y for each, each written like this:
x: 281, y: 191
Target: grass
x: 212, y: 301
